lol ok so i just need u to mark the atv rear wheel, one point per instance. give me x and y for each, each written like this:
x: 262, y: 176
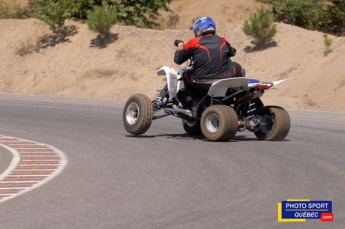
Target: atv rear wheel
x: 191, y: 127
x: 275, y: 124
x: 137, y: 114
x: 219, y: 123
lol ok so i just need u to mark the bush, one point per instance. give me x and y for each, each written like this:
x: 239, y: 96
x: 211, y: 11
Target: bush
x: 52, y: 12
x: 194, y: 19
x: 328, y: 42
x: 138, y: 13
x: 302, y: 13
x: 142, y: 13
x: 4, y: 10
x: 101, y: 19
x: 327, y: 16
x: 333, y: 20
x: 260, y: 26
x: 12, y: 11
x: 27, y: 47
x: 173, y: 19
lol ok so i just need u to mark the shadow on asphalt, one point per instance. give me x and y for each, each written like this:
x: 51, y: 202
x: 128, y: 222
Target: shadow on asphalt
x: 237, y: 138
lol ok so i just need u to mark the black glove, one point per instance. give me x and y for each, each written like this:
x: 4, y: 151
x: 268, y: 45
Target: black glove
x: 176, y: 42
x: 232, y: 52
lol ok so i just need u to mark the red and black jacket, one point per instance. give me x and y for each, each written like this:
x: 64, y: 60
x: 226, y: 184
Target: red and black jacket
x: 210, y: 55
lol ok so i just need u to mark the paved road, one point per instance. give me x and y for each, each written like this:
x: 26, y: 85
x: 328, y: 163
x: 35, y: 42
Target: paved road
x: 166, y: 179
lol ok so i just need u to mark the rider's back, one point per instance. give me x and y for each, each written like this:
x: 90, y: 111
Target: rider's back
x: 210, y: 55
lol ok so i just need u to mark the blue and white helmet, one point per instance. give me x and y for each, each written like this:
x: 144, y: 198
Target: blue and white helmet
x: 202, y: 25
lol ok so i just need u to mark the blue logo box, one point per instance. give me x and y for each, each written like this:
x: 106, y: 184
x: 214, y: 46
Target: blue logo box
x: 305, y: 209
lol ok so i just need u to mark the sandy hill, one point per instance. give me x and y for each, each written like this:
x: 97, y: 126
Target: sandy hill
x: 127, y: 64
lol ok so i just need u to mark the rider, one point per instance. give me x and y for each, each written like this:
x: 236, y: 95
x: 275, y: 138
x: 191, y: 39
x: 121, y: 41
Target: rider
x: 210, y: 55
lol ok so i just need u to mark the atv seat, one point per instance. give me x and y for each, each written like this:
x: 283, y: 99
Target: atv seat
x: 219, y: 87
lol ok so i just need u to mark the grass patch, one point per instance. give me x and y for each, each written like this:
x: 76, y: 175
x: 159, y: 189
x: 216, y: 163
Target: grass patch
x: 27, y: 47
x: 14, y: 11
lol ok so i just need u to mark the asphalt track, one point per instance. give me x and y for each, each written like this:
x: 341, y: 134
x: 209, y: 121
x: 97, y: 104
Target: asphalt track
x: 167, y: 179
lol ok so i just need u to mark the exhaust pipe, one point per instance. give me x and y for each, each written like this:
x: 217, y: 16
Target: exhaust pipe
x: 178, y: 110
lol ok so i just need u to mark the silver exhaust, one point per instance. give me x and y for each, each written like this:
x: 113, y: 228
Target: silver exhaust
x: 178, y: 110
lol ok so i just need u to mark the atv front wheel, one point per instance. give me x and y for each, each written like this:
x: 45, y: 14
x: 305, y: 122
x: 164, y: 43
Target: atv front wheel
x: 275, y: 124
x: 137, y: 114
x: 219, y: 123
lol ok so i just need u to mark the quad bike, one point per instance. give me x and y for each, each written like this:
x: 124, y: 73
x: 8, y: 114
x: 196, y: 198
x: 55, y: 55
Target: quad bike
x: 230, y: 105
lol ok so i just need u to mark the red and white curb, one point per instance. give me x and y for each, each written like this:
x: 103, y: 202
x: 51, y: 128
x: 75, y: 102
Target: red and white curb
x: 33, y: 164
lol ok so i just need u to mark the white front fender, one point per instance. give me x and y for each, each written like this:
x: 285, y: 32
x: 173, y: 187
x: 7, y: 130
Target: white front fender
x: 171, y: 78
x: 165, y: 70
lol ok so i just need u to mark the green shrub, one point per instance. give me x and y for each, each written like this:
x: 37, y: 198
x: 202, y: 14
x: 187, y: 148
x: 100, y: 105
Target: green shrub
x: 101, y: 19
x: 328, y: 42
x: 333, y: 20
x: 260, y: 26
x: 302, y: 13
x: 12, y: 11
x: 27, y: 47
x: 173, y: 19
x: 139, y: 13
x: 327, y: 16
x: 194, y: 19
x: 4, y: 10
x: 52, y: 12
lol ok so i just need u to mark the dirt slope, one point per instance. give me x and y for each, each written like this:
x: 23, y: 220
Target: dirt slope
x: 81, y: 68
x: 222, y: 11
